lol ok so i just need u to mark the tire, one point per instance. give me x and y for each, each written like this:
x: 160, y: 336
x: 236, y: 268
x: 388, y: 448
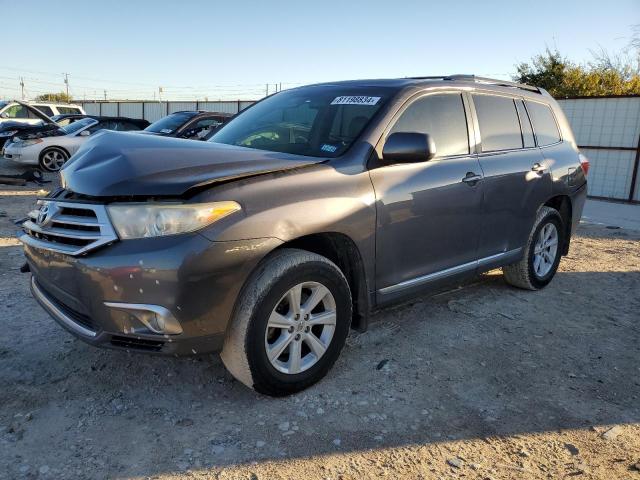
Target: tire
x: 266, y: 299
x: 53, y: 158
x: 531, y: 273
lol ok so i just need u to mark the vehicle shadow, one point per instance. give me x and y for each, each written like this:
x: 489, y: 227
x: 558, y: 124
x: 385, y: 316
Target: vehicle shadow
x: 479, y: 361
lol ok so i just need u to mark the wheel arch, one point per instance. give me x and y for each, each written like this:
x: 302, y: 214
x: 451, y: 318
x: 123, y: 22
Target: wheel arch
x: 49, y: 147
x: 562, y: 203
x: 343, y: 251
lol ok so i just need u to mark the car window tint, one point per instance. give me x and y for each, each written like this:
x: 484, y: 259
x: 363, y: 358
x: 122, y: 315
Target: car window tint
x: 103, y: 125
x: 544, y: 123
x: 442, y: 117
x: 525, y: 125
x: 16, y: 111
x: 75, y: 126
x: 70, y: 110
x: 499, y: 124
x: 46, y: 110
x: 206, y: 122
x: 348, y: 122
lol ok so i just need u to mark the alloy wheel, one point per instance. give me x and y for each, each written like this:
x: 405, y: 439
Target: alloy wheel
x: 545, y: 250
x: 300, y: 328
x: 53, y: 160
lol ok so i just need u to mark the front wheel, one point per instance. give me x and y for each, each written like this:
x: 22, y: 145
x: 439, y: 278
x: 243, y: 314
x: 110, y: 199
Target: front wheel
x: 53, y: 159
x: 542, y: 253
x: 290, y: 324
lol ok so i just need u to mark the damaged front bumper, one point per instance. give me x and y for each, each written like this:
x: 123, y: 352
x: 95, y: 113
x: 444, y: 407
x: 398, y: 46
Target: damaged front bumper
x: 172, y: 295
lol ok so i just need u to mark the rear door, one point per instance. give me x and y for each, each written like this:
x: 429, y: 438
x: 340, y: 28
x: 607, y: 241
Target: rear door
x: 428, y: 213
x: 517, y: 180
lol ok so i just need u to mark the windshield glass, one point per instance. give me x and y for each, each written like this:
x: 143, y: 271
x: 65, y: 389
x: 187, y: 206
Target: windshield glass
x: 170, y: 123
x: 317, y: 121
x: 79, y: 125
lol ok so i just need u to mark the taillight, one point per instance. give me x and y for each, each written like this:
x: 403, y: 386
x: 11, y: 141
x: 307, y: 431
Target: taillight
x: 584, y: 163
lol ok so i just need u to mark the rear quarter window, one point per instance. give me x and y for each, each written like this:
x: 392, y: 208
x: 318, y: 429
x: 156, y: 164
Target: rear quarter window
x: 69, y: 110
x: 544, y: 123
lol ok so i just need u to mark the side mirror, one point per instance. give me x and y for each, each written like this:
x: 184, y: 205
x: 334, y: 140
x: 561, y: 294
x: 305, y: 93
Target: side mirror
x: 85, y: 133
x: 408, y: 147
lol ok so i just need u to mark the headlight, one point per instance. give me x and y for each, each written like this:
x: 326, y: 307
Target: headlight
x: 141, y: 220
x: 26, y: 143
x: 8, y: 133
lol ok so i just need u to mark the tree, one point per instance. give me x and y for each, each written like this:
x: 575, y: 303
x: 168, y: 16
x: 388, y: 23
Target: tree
x: 54, y: 97
x: 606, y: 75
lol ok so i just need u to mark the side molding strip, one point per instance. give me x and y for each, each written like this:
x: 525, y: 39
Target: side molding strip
x: 446, y: 273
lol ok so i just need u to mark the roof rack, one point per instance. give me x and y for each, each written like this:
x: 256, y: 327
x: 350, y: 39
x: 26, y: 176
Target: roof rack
x: 485, y: 80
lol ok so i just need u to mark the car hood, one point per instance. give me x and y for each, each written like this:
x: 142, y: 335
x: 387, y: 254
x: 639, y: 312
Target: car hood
x: 115, y: 164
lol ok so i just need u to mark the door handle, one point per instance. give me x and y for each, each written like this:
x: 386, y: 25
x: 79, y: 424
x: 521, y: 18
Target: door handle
x: 538, y: 167
x: 472, y: 178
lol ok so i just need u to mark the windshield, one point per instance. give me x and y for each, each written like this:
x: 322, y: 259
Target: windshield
x: 3, y: 104
x: 317, y: 121
x: 170, y: 123
x: 79, y: 125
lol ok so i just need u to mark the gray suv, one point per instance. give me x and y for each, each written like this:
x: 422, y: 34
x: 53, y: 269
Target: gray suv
x: 307, y: 211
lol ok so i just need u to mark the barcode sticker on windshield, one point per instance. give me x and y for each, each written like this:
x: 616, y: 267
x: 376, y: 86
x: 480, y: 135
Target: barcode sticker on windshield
x: 355, y: 100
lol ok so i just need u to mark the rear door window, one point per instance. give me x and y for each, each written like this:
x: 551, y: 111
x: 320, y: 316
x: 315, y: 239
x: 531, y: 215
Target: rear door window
x: 544, y: 123
x: 499, y: 123
x: 525, y: 125
x: 46, y: 110
x: 441, y: 116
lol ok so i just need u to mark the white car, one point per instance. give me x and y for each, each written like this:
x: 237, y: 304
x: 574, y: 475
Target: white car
x: 11, y: 111
x: 53, y: 149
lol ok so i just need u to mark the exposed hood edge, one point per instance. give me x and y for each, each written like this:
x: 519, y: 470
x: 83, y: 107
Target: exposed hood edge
x: 231, y: 178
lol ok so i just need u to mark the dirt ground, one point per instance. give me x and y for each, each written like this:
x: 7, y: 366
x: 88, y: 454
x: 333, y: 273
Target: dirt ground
x: 483, y: 382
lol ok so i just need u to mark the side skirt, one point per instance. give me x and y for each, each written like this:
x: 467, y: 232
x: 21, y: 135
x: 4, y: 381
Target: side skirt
x: 476, y: 266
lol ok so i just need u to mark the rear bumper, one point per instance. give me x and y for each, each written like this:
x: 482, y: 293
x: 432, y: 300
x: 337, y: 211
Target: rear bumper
x: 189, y: 279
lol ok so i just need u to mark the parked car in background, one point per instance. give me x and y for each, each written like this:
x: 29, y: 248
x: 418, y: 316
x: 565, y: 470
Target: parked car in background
x: 303, y: 214
x: 52, y: 147
x: 10, y: 128
x: 15, y: 111
x: 188, y: 124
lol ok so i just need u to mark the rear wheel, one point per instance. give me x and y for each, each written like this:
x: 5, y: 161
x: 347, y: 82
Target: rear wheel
x: 52, y: 159
x: 290, y: 325
x: 542, y: 253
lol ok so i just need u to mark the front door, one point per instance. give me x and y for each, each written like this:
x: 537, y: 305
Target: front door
x: 428, y: 213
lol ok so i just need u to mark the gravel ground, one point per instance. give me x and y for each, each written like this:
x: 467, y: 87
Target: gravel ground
x: 485, y: 382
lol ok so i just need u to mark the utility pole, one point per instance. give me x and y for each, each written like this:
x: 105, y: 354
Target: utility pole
x: 22, y: 87
x: 66, y: 82
x: 105, y: 95
x: 267, y: 93
x: 160, y: 94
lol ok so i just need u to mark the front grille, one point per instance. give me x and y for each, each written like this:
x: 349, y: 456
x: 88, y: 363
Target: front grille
x: 137, y: 343
x: 68, y: 227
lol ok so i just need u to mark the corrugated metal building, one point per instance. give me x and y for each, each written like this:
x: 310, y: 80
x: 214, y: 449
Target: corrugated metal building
x: 153, y: 111
x: 607, y: 130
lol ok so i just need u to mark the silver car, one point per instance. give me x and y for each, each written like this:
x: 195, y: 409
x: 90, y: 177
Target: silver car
x: 50, y: 150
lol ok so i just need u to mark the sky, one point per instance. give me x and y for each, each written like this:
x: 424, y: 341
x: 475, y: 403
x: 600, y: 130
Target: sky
x: 231, y: 49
